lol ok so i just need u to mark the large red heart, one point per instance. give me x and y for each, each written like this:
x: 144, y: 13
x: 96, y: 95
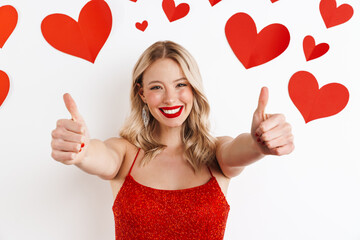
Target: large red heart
x: 174, y: 13
x: 251, y: 48
x: 83, y: 39
x: 8, y: 21
x: 333, y: 15
x: 314, y: 103
x: 4, y: 86
x: 313, y: 51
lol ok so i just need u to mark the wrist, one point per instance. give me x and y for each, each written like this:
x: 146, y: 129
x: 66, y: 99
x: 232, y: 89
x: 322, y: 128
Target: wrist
x: 83, y: 154
x: 257, y: 149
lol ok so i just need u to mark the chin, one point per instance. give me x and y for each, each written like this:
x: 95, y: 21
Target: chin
x: 173, y: 125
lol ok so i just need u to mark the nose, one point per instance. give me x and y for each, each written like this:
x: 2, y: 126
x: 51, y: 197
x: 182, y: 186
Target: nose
x: 170, y: 97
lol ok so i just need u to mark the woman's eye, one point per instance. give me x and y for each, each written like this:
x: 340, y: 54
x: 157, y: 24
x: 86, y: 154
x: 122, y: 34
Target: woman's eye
x: 155, y: 88
x: 181, y: 85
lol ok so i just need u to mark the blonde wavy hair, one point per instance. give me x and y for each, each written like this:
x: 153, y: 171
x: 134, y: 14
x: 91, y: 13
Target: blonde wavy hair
x: 199, y: 144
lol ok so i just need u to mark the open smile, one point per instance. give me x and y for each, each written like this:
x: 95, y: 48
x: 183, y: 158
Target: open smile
x: 171, y: 112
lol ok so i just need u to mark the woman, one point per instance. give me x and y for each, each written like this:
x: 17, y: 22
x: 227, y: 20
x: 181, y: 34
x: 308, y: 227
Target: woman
x: 173, y: 175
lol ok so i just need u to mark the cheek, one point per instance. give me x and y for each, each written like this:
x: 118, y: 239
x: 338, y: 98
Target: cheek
x: 153, y: 98
x: 187, y: 95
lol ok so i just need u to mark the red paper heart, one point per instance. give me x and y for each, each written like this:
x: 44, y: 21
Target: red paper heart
x: 4, y: 86
x: 333, y: 15
x: 313, y: 51
x: 8, y: 21
x: 174, y: 13
x: 274, y: 1
x: 83, y: 39
x: 213, y: 2
x: 251, y: 48
x: 314, y: 103
x: 141, y: 26
x: 133, y: 0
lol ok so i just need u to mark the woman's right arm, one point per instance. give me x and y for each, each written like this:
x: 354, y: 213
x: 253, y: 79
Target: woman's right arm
x: 103, y: 159
x: 71, y: 145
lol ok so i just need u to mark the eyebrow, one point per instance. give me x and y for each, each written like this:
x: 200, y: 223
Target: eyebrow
x: 177, y: 80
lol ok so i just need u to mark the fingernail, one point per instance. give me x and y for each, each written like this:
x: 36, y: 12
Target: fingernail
x: 256, y: 135
x: 82, y: 145
x: 258, y: 140
x: 80, y: 149
x: 263, y: 143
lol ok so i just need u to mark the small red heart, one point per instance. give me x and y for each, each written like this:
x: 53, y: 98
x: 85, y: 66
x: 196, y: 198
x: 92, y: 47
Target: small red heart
x: 8, y: 21
x: 4, y: 86
x: 83, y: 39
x: 141, y: 26
x: 133, y: 0
x: 174, y: 13
x: 314, y: 103
x: 252, y: 48
x: 333, y: 15
x: 313, y: 51
x: 213, y: 2
x: 274, y: 1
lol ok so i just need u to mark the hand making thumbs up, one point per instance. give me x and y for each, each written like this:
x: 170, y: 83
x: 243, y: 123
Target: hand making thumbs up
x: 270, y: 131
x: 71, y: 137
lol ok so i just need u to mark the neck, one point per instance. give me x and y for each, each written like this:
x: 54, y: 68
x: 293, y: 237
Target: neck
x: 170, y: 136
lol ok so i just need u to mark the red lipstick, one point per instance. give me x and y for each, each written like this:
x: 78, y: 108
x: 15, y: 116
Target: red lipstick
x: 171, y: 115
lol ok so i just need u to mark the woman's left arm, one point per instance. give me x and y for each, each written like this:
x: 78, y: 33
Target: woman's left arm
x: 270, y: 135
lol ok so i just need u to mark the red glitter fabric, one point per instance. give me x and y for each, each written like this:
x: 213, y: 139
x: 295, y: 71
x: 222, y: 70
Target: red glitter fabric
x: 142, y: 212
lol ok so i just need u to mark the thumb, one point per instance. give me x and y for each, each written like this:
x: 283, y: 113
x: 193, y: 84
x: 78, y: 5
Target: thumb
x: 72, y: 108
x: 263, y: 100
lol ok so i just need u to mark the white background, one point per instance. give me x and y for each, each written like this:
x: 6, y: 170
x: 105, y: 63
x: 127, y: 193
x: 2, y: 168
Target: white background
x: 311, y: 194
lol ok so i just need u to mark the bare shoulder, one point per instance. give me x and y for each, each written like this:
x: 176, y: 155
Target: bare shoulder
x: 123, y: 149
x: 218, y: 173
x: 222, y: 155
x: 120, y: 148
x: 126, y: 151
x: 222, y: 180
x: 221, y: 141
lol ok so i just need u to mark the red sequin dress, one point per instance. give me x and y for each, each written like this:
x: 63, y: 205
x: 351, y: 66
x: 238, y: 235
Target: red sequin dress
x: 142, y: 212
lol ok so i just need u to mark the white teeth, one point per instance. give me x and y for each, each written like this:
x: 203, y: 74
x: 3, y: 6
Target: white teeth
x: 172, y: 111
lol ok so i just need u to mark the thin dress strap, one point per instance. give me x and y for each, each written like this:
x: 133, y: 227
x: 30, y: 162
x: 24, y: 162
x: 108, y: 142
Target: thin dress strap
x: 210, y: 171
x: 134, y: 161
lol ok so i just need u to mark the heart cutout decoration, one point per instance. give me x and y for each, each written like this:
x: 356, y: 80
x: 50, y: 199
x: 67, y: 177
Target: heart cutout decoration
x: 173, y: 12
x: 142, y: 26
x: 8, y: 21
x: 4, y: 86
x: 313, y: 51
x: 333, y: 15
x: 252, y: 48
x: 314, y: 103
x: 213, y: 2
x: 83, y: 39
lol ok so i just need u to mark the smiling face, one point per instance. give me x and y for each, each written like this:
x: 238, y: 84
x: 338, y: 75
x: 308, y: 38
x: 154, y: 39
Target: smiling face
x: 167, y: 93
